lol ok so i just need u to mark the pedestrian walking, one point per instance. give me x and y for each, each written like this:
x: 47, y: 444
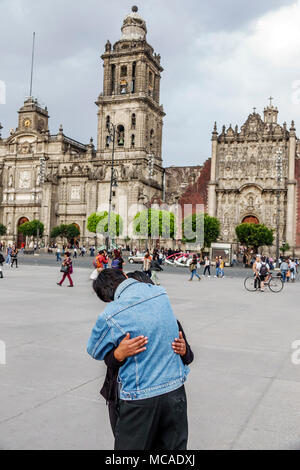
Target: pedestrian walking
x: 58, y: 257
x: 75, y: 253
x: 8, y: 255
x: 193, y: 269
x: 217, y: 267
x: 147, y: 264
x: 2, y: 260
x: 14, y: 257
x: 222, y: 266
x: 284, y: 267
x: 67, y: 270
x: 292, y: 266
x: 154, y: 267
x: 206, y: 266
x: 152, y: 403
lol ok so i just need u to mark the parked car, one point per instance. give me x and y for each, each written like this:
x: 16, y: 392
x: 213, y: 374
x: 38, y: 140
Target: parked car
x: 138, y: 258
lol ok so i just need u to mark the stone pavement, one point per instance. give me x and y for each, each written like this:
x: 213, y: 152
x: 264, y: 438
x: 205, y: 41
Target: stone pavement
x: 243, y: 390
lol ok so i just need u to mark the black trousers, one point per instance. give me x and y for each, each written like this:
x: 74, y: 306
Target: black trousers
x: 14, y: 260
x: 158, y: 423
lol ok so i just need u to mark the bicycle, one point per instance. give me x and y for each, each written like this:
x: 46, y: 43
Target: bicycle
x: 275, y: 284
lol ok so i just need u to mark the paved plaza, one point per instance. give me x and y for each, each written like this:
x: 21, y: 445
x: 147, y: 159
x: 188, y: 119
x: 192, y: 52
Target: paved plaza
x: 243, y: 389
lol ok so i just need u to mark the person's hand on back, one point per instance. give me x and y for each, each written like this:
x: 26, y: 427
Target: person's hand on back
x: 179, y: 346
x: 130, y: 347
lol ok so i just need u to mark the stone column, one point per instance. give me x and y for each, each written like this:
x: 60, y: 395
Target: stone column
x: 212, y: 202
x: 291, y: 187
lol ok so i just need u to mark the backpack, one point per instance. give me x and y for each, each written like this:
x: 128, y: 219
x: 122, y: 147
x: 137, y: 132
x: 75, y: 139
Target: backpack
x: 192, y: 267
x: 263, y: 270
x: 115, y: 263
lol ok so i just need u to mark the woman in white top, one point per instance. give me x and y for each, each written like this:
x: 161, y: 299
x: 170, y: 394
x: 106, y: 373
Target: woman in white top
x: 207, y: 266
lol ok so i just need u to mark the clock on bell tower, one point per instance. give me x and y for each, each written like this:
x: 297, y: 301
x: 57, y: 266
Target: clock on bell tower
x: 32, y: 117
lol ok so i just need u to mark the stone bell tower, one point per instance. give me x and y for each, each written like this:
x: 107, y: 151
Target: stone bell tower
x: 131, y: 101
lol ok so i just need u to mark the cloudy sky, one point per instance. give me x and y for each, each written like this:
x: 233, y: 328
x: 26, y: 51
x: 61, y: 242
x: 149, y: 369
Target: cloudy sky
x: 221, y: 59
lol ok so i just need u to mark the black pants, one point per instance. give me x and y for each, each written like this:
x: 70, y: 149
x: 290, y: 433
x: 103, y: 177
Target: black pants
x: 207, y: 268
x: 158, y: 423
x: 14, y: 260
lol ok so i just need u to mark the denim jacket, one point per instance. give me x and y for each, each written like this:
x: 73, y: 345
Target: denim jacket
x: 141, y: 309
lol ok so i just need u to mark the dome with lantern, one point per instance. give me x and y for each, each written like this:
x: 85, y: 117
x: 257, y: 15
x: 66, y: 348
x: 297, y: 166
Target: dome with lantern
x: 134, y: 26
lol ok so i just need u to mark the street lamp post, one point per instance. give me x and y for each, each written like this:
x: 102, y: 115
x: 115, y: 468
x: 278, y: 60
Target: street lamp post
x: 279, y: 181
x: 113, y: 181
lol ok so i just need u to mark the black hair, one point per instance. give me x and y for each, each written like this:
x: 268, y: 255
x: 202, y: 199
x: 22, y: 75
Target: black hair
x: 140, y: 276
x: 107, y: 283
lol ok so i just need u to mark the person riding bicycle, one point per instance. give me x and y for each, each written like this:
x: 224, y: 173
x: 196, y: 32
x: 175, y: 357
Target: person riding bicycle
x: 264, y: 273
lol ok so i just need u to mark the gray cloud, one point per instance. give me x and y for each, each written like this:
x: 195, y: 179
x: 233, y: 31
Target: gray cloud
x: 217, y: 63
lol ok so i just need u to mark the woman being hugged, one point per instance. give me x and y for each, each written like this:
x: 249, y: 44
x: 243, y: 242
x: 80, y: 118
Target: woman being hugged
x: 66, y: 269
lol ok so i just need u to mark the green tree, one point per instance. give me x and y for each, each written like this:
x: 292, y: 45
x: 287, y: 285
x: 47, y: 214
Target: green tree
x: 98, y: 223
x: 32, y: 229
x: 284, y: 247
x: 69, y: 231
x: 254, y: 235
x: 154, y: 223
x: 201, y: 228
x: 3, y: 229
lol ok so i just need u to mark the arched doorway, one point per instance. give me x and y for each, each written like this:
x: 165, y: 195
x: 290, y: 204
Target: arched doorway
x: 250, y: 219
x: 21, y: 237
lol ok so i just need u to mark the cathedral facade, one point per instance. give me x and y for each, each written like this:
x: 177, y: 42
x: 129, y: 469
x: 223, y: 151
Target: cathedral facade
x: 254, y: 177
x: 77, y: 177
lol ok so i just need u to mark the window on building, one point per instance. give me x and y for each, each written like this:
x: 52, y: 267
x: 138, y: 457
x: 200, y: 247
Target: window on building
x: 133, y: 121
x: 132, y: 141
x: 124, y: 71
x: 133, y: 77
x: 107, y: 141
x: 151, y: 138
x: 121, y: 136
x: 113, y: 78
x: 107, y: 121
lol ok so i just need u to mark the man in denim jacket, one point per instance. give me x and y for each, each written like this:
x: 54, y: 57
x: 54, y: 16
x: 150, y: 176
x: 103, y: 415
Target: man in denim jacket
x: 153, y: 409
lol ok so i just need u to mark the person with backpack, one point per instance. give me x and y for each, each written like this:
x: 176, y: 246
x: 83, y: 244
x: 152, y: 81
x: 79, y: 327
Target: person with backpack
x: 117, y: 261
x: 193, y: 269
x: 263, y: 273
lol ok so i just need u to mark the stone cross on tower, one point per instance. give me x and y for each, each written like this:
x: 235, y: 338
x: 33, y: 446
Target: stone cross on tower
x: 271, y: 100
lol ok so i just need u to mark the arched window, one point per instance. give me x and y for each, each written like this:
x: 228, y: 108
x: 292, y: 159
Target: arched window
x: 121, y: 136
x: 133, y: 121
x: 132, y: 141
x: 107, y: 122
x: 133, y: 77
x: 107, y: 141
x: 124, y: 71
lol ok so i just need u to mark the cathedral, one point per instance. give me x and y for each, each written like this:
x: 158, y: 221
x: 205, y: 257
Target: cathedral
x: 76, y: 178
x: 252, y: 175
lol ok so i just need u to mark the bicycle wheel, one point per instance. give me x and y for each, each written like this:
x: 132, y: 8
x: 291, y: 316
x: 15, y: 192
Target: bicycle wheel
x: 250, y: 284
x: 275, y: 284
